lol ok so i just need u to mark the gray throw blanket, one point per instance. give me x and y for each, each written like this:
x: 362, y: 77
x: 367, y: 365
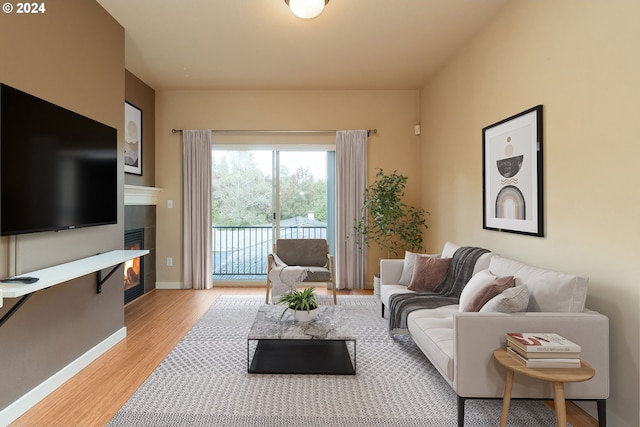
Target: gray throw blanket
x: 446, y: 293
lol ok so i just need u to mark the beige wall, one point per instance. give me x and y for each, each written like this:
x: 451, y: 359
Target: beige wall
x: 393, y: 113
x: 73, y: 56
x: 581, y: 61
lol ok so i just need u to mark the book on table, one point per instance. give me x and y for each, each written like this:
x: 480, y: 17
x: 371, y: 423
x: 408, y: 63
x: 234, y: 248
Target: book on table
x: 544, y: 362
x: 534, y: 342
x: 544, y: 354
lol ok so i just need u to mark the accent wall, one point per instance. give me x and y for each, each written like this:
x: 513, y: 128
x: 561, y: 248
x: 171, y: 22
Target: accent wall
x: 581, y: 60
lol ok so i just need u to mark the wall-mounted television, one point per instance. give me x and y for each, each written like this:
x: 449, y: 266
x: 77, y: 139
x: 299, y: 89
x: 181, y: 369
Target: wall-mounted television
x: 58, y: 169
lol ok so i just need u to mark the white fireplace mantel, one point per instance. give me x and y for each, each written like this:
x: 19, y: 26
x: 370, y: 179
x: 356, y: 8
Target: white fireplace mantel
x: 137, y: 195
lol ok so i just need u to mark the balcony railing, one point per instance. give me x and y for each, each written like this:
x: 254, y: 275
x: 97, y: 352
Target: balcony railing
x: 241, y: 252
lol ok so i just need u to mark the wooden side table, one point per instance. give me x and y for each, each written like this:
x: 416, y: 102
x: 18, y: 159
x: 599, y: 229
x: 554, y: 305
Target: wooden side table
x: 557, y: 376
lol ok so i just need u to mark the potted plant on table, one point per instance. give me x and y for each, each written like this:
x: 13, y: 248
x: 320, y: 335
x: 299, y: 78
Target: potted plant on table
x: 303, y: 303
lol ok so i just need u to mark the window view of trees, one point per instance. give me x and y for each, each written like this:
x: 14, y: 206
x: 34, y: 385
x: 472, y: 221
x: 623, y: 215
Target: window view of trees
x: 241, y: 193
x: 301, y: 194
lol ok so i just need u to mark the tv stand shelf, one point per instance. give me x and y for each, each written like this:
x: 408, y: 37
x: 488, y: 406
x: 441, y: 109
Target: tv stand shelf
x: 61, y: 273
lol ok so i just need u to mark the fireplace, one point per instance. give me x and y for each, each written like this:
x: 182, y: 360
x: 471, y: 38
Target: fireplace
x: 133, y: 269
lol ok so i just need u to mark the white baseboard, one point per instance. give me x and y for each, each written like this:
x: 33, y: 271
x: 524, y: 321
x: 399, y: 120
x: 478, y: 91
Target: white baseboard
x: 29, y: 400
x: 168, y: 285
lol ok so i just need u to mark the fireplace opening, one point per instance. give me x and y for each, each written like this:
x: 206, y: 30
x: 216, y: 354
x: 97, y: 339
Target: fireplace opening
x: 133, y: 269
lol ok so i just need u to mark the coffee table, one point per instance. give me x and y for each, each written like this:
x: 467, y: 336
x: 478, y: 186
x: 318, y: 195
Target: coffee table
x: 284, y: 346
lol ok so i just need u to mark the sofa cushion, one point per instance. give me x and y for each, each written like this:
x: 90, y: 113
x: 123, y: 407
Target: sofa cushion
x: 481, y: 264
x: 550, y: 291
x: 432, y: 331
x: 474, y: 284
x: 387, y: 290
x: 487, y: 292
x: 428, y: 272
x: 512, y: 300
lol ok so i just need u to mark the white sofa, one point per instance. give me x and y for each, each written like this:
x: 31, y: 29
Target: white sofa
x: 460, y: 345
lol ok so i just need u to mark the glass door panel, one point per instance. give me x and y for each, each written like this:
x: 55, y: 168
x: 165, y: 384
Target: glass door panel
x: 242, y: 214
x: 260, y: 194
x: 303, y: 195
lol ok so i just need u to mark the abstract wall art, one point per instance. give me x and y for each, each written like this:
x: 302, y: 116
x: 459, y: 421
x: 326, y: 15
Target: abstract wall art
x: 512, y: 174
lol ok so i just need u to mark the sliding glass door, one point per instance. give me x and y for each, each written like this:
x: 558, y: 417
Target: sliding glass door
x: 262, y: 195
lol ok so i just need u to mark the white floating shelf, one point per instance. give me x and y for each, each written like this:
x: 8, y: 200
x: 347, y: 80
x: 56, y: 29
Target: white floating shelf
x: 61, y: 273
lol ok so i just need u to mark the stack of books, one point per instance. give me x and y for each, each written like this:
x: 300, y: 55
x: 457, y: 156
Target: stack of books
x: 543, y: 350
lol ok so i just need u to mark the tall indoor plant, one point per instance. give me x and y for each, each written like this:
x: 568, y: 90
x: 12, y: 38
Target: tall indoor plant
x: 387, y: 220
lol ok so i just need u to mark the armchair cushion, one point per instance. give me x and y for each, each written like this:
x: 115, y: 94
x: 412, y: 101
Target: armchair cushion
x: 303, y: 252
x: 318, y: 274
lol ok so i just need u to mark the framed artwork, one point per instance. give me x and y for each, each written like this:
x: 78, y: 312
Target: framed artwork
x: 512, y: 174
x: 132, y: 139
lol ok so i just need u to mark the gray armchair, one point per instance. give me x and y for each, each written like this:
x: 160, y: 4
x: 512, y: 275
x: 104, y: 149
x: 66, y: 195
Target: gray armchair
x: 311, y: 253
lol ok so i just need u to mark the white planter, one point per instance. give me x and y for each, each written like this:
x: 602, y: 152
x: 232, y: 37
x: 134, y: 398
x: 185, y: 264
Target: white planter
x: 304, y: 316
x: 376, y: 285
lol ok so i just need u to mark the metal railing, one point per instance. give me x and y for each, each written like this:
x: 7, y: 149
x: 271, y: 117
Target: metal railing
x: 241, y: 252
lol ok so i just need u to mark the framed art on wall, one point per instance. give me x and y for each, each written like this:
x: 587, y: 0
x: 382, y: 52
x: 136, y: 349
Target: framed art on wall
x: 512, y: 174
x: 132, y: 139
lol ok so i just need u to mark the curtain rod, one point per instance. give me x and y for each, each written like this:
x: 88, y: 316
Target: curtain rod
x: 369, y: 131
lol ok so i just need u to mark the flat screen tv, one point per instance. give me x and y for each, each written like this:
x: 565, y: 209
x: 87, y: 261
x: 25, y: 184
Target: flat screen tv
x: 58, y: 169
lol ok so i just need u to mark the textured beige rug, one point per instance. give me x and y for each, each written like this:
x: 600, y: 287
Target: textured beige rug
x: 204, y: 382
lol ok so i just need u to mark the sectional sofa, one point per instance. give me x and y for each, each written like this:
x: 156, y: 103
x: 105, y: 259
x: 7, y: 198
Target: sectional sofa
x: 460, y: 344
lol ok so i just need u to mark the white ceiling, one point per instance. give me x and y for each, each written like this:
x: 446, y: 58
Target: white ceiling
x: 260, y: 45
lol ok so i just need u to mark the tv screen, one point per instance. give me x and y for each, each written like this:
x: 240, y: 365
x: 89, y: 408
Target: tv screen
x: 58, y: 169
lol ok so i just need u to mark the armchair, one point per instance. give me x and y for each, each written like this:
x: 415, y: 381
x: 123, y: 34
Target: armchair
x: 311, y: 253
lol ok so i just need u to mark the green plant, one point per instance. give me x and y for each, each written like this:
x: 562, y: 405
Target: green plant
x: 387, y: 220
x: 299, y: 300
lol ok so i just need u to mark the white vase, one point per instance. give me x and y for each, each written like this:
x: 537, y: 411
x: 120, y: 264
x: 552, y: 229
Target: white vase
x: 304, y: 316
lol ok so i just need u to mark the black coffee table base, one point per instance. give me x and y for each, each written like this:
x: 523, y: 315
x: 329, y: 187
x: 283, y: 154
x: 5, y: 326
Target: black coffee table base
x: 278, y: 356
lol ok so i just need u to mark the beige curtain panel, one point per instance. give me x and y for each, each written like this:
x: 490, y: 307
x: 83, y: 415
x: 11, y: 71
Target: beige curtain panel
x: 196, y: 183
x: 351, y: 181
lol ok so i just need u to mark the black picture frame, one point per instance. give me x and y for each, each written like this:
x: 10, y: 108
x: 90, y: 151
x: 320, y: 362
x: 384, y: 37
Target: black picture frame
x: 512, y: 174
x: 132, y: 139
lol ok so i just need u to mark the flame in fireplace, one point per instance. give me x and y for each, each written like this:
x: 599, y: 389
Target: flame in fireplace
x: 132, y: 270
x: 131, y: 273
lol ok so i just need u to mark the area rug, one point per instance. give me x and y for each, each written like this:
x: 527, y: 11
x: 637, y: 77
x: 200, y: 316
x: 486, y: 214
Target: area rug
x: 204, y: 382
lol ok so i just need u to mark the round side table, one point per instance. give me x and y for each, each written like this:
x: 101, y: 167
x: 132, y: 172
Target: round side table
x: 557, y: 376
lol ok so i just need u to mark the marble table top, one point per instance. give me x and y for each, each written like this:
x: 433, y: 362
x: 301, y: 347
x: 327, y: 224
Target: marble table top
x: 330, y: 324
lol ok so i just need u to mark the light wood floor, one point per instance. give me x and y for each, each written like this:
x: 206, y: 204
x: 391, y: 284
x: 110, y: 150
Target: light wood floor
x: 155, y: 323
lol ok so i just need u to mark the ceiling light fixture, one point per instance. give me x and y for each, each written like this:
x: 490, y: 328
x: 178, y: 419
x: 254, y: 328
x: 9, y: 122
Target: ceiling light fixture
x: 306, y: 9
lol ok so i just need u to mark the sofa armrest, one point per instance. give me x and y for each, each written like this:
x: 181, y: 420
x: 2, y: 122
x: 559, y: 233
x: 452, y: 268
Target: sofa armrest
x: 477, y: 335
x: 390, y: 271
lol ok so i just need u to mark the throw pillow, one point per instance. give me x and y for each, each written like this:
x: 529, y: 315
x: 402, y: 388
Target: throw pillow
x: 474, y: 285
x: 483, y: 295
x: 407, y: 268
x: 428, y: 272
x: 512, y: 300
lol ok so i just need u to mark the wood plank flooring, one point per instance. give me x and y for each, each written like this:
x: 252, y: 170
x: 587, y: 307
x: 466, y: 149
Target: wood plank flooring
x: 155, y: 324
